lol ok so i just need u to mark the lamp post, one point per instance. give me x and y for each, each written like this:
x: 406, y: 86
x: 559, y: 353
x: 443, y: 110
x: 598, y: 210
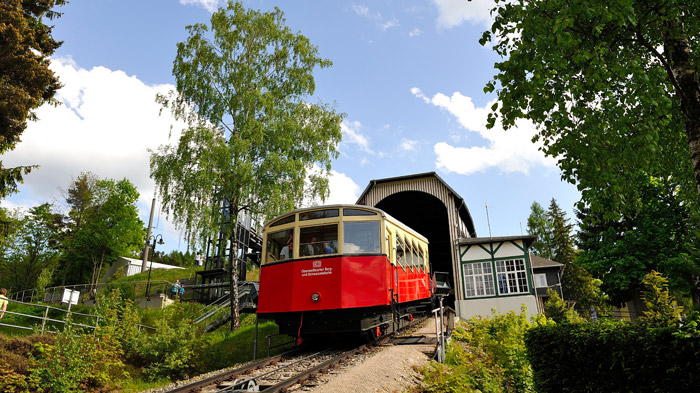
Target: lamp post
x: 158, y: 237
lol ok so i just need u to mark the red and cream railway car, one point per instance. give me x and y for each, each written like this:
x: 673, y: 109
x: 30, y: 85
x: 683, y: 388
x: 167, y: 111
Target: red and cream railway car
x: 342, y: 268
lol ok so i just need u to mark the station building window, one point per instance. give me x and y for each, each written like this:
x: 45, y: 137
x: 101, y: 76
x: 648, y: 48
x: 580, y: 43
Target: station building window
x: 512, y: 277
x: 541, y: 280
x: 478, y: 279
x: 318, y: 240
x: 361, y: 237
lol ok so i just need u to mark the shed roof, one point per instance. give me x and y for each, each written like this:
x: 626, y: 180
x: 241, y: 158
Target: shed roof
x: 461, y: 205
x: 538, y: 261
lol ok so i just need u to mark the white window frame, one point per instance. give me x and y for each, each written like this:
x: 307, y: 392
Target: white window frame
x: 540, y: 279
x: 513, y: 272
x: 479, y: 281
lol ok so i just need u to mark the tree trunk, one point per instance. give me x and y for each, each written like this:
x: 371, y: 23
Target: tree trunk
x: 233, y: 265
x: 687, y: 87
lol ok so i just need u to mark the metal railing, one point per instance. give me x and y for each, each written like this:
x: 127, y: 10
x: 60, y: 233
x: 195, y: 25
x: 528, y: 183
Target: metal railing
x: 49, y: 319
x: 130, y: 290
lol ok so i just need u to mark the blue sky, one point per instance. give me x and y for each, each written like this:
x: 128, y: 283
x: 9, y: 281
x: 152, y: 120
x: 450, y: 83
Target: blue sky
x: 409, y: 75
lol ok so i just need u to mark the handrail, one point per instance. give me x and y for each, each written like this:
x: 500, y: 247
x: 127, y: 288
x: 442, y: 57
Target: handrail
x: 46, y: 318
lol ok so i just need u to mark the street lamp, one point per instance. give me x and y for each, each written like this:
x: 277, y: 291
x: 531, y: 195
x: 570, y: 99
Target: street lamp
x: 158, y: 237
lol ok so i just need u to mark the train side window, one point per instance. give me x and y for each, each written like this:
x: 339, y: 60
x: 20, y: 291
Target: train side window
x: 318, y: 240
x: 280, y: 245
x: 421, y: 261
x: 388, y: 244
x: 361, y: 237
x: 400, y: 252
x: 410, y: 254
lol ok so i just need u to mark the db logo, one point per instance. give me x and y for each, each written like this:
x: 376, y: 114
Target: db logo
x: 317, y: 263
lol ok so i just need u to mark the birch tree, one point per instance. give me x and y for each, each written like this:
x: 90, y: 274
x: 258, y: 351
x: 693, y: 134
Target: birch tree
x: 253, y: 140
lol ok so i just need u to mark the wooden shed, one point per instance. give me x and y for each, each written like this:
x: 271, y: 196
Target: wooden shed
x: 427, y: 204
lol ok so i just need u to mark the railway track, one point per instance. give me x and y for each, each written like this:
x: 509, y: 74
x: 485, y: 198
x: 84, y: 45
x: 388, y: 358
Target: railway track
x: 279, y: 373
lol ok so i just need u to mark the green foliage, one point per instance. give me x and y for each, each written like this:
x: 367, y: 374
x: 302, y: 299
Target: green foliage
x: 661, y: 309
x: 171, y: 350
x: 120, y: 319
x: 540, y: 224
x: 599, y: 79
x: 242, y: 83
x: 660, y: 233
x: 111, y: 228
x: 16, y: 362
x: 26, y: 82
x: 45, y: 278
x: 557, y: 309
x: 80, y: 362
x: 32, y: 247
x: 612, y: 357
x: 224, y: 347
x: 557, y: 244
x: 485, y: 355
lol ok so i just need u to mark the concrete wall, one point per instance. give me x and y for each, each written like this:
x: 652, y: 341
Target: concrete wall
x: 482, y: 307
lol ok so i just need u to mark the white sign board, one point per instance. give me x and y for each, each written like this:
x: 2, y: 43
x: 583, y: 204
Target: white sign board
x: 70, y: 296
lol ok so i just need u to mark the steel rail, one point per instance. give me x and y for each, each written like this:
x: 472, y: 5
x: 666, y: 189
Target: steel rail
x: 310, y: 373
x: 228, y: 375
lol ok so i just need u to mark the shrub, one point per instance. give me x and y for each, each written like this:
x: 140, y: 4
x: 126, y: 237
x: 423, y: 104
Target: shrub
x: 169, y: 351
x: 486, y: 355
x: 662, y: 309
x: 557, y: 309
x: 613, y: 357
x: 86, y: 362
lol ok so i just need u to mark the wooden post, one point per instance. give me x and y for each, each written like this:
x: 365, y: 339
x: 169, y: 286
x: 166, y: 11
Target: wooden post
x: 43, y: 321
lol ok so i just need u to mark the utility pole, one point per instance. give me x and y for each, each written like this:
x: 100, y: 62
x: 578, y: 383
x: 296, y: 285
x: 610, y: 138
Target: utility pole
x: 148, y: 236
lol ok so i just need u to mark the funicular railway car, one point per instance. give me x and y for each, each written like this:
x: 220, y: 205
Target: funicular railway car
x: 342, y: 268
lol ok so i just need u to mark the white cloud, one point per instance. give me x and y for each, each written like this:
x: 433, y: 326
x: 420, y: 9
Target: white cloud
x: 389, y: 24
x: 510, y: 151
x: 352, y: 135
x: 415, y: 32
x: 209, y: 5
x: 452, y: 13
x: 365, y: 12
x: 360, y: 10
x: 343, y: 190
x: 105, y: 125
x: 408, y: 145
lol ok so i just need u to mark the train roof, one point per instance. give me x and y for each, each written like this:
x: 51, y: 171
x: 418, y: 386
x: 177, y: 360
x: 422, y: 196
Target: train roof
x: 365, y: 207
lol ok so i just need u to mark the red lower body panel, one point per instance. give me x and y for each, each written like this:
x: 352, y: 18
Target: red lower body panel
x: 337, y: 283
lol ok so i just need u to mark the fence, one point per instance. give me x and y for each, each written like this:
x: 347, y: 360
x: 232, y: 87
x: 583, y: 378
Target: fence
x: 48, y: 319
x: 131, y: 290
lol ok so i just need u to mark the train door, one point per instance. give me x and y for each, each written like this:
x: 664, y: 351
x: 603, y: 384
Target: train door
x: 393, y: 277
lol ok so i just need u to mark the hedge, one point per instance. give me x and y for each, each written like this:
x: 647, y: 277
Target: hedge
x: 589, y: 357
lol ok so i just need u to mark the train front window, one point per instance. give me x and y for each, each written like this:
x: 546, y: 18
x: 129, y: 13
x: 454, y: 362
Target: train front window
x: 317, y: 214
x: 361, y: 237
x: 357, y: 212
x: 318, y: 240
x: 283, y: 220
x: 280, y: 245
